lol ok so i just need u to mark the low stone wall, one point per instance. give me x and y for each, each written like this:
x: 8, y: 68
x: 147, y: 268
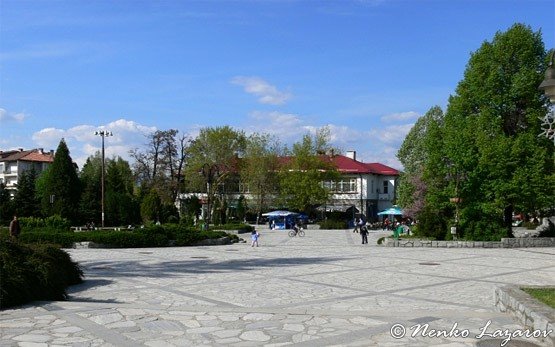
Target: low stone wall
x: 88, y: 244
x: 504, y: 243
x: 528, y: 311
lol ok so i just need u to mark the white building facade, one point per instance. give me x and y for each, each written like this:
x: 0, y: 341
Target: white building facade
x: 14, y: 163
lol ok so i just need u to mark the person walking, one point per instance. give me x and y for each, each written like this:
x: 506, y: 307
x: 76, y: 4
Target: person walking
x: 254, y: 237
x: 15, y: 228
x: 363, y: 230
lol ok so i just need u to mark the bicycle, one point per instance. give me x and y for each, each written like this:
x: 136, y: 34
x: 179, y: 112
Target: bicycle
x: 296, y: 232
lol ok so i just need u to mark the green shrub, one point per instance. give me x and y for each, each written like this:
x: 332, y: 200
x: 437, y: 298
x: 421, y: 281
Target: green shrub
x: 53, y: 222
x: 529, y: 225
x: 247, y: 228
x: 381, y: 240
x: 152, y: 236
x: 36, y: 272
x: 62, y: 239
x: 431, y: 224
x: 333, y: 224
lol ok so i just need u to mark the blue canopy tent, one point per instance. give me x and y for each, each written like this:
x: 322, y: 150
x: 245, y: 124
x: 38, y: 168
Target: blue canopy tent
x: 392, y: 211
x: 283, y: 219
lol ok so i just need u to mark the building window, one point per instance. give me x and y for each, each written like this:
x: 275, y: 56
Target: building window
x: 346, y: 185
x: 385, y: 187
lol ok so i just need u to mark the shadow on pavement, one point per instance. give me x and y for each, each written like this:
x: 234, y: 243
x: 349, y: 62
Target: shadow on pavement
x: 141, y: 268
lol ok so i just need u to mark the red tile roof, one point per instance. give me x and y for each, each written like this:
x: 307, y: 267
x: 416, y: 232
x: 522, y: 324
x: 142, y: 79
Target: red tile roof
x: 37, y: 156
x: 30, y: 155
x: 347, y: 165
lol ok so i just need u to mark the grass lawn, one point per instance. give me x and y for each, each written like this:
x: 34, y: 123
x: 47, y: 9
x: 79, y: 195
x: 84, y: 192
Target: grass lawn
x: 545, y: 295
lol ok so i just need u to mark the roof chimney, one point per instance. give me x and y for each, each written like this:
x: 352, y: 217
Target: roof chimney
x: 351, y: 154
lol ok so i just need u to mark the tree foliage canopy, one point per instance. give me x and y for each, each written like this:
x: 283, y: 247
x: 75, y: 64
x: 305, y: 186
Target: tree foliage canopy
x: 486, y: 151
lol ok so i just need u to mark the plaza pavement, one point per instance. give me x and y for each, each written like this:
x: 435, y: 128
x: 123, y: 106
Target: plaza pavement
x: 321, y: 290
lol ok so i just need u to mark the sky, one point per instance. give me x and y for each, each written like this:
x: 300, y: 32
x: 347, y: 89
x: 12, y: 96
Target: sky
x: 367, y: 69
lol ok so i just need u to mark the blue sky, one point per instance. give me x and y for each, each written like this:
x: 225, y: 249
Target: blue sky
x: 365, y: 68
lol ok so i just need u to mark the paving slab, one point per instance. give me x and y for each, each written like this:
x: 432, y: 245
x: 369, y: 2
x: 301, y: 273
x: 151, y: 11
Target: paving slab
x: 325, y: 289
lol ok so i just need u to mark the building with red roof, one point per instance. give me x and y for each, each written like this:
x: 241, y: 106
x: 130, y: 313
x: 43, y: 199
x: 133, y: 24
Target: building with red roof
x: 14, y: 163
x: 366, y: 188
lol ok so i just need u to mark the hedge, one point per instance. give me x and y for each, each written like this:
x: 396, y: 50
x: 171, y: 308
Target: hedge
x: 155, y: 236
x: 333, y: 224
x: 35, y: 272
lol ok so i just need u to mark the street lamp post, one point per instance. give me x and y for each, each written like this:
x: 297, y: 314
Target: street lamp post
x: 103, y: 134
x: 209, y: 171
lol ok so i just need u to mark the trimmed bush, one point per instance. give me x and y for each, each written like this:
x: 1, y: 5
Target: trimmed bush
x: 153, y: 236
x: 53, y: 223
x: 34, y: 272
x: 333, y: 224
x: 246, y: 228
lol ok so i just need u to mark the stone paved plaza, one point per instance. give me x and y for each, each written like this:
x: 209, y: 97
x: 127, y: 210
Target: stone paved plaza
x: 325, y: 289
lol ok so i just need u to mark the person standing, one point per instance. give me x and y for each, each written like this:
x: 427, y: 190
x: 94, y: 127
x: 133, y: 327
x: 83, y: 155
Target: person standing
x: 15, y: 228
x: 363, y: 230
x: 254, y: 237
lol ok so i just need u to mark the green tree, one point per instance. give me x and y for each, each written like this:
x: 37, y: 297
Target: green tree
x: 6, y: 206
x: 419, y: 148
x: 151, y: 207
x: 190, y: 209
x: 25, y: 200
x: 59, y: 188
x: 90, y: 177
x: 213, y: 156
x: 161, y: 165
x: 491, y: 132
x: 121, y: 208
x: 301, y: 178
x: 258, y: 170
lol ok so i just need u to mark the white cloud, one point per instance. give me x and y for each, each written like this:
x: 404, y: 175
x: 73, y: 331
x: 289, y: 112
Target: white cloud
x: 290, y: 128
x: 392, y: 134
x: 384, y: 155
x: 267, y: 93
x: 403, y: 116
x: 6, y: 116
x: 287, y: 127
x: 48, y: 137
x: 82, y: 142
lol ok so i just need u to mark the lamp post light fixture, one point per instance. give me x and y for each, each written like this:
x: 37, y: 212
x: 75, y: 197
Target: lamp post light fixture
x: 103, y: 134
x: 209, y: 171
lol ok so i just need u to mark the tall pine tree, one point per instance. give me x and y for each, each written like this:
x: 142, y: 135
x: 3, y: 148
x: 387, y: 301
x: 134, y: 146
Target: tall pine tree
x: 25, y: 200
x: 59, y: 187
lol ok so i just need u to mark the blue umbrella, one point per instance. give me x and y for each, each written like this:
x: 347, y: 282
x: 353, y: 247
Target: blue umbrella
x: 280, y: 214
x: 394, y: 211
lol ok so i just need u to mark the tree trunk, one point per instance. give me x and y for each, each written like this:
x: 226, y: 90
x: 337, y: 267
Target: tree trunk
x: 508, y: 220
